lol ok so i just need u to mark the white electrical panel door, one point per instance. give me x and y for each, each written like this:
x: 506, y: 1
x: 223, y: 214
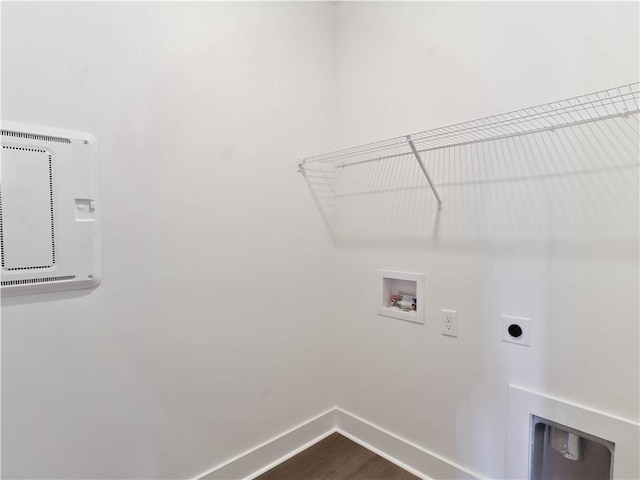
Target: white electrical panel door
x: 49, y: 225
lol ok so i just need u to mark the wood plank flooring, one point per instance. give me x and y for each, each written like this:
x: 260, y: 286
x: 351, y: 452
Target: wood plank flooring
x: 337, y: 458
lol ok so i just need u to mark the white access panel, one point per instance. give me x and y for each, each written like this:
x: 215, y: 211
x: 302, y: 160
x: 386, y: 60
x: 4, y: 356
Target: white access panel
x: 49, y: 224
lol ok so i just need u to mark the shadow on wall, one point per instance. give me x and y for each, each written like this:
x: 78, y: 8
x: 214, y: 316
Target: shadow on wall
x: 573, y: 189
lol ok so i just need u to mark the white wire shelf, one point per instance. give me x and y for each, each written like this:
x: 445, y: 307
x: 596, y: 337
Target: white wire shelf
x: 621, y: 101
x: 595, y: 106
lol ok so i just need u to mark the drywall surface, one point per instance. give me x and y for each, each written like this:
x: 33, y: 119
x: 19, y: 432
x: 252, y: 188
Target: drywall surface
x: 225, y: 308
x: 546, y: 230
x: 209, y: 333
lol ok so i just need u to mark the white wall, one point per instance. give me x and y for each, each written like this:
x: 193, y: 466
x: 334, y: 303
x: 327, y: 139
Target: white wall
x: 210, y: 330
x: 560, y: 249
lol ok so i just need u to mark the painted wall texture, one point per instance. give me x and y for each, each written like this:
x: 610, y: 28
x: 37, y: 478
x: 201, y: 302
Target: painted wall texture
x: 229, y: 314
x: 546, y: 229
x: 210, y: 330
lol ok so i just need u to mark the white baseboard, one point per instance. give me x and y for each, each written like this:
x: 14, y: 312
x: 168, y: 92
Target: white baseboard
x: 259, y: 459
x: 411, y: 457
x: 406, y: 455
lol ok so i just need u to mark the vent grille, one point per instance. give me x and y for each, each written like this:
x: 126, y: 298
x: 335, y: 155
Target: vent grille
x: 29, y: 281
x: 53, y: 240
x: 1, y: 231
x: 34, y: 136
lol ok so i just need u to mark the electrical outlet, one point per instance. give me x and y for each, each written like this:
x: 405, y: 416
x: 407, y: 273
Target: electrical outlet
x: 449, y: 319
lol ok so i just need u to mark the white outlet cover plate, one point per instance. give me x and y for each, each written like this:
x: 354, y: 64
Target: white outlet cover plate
x: 525, y: 325
x: 449, y: 328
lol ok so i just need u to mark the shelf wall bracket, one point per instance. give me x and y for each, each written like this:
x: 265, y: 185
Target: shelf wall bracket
x: 426, y: 173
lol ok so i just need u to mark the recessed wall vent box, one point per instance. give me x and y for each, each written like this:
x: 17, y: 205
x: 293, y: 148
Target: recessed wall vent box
x: 401, y: 295
x: 559, y: 451
x: 49, y: 226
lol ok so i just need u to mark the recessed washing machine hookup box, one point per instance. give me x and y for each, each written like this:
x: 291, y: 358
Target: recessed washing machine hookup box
x: 401, y: 295
x: 49, y: 210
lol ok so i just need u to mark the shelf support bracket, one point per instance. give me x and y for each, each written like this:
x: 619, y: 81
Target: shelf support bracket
x: 424, y: 170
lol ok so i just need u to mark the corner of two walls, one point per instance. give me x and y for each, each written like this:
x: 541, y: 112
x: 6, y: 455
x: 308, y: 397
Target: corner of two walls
x: 224, y: 299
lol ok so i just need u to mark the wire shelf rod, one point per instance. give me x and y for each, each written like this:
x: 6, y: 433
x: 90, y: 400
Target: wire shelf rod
x: 483, y: 140
x: 599, y: 105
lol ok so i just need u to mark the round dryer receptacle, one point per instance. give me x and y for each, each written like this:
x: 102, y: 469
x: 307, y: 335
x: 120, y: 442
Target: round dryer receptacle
x: 515, y: 330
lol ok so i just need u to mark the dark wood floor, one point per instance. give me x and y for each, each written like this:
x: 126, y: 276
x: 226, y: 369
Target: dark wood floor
x: 337, y: 458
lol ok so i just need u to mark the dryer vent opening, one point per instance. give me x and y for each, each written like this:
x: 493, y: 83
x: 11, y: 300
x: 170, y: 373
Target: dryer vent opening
x: 560, y: 451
